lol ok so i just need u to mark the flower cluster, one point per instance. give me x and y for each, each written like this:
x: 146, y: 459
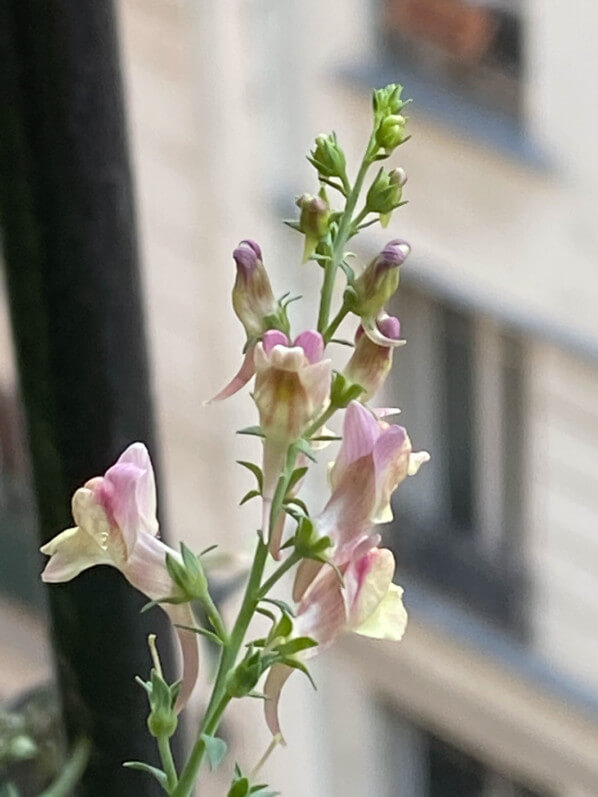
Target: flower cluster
x: 344, y: 581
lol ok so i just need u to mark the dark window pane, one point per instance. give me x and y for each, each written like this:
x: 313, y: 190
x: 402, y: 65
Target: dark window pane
x: 457, y: 343
x: 512, y: 441
x: 452, y: 772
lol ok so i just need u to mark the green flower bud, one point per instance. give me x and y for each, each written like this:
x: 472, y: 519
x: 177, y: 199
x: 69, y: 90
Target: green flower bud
x: 344, y: 390
x: 379, y: 281
x: 188, y: 574
x: 313, y: 221
x: 244, y: 677
x: 386, y: 192
x: 388, y: 100
x: 391, y: 132
x: 328, y: 157
x: 162, y: 720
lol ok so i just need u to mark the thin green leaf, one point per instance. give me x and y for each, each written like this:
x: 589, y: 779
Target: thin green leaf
x: 266, y: 612
x: 342, y: 342
x: 304, y: 447
x: 207, y: 550
x: 296, y: 477
x: 202, y: 632
x: 284, y: 607
x: 296, y: 645
x: 248, y: 496
x: 257, y: 695
x: 283, y: 628
x: 255, y: 469
x: 299, y: 665
x: 256, y: 431
x: 263, y: 791
x: 301, y: 504
x: 149, y: 770
x: 215, y: 749
x: 240, y: 788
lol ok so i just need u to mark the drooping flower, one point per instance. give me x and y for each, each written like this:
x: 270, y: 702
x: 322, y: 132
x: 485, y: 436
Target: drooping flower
x: 374, y: 458
x: 375, y: 286
x: 368, y: 604
x: 371, y: 362
x: 292, y: 388
x: 116, y: 524
x: 254, y: 304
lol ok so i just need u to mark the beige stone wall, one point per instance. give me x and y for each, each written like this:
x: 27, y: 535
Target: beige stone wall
x: 563, y: 523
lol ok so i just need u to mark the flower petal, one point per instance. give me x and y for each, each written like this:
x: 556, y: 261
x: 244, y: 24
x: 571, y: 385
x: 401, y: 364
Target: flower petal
x: 277, y: 678
x: 146, y: 570
x: 312, y: 344
x: 371, y: 329
x: 389, y: 620
x: 321, y: 613
x: 135, y: 491
x: 306, y: 572
x: 71, y: 552
x: 360, y: 432
x: 241, y: 378
x: 367, y: 582
x: 181, y: 614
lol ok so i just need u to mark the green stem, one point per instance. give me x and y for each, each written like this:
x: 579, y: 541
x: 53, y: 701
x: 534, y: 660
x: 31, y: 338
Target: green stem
x: 215, y: 617
x: 358, y: 219
x: 288, y: 563
x: 230, y: 651
x: 335, y: 323
x: 342, y: 236
x: 319, y: 422
x: 71, y: 774
x: 167, y: 761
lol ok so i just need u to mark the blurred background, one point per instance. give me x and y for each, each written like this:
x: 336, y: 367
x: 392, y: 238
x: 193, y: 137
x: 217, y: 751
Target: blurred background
x: 494, y: 690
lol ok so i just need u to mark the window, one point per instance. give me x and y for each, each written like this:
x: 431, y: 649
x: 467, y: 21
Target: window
x: 461, y: 386
x: 471, y: 48
x: 427, y: 766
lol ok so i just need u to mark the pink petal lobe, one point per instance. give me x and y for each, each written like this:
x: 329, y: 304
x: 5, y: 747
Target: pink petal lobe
x: 272, y: 338
x: 241, y: 378
x: 277, y: 678
x: 182, y: 615
x: 360, y: 432
x: 312, y: 344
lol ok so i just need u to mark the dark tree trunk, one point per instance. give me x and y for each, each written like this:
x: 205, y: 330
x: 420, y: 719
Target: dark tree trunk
x: 70, y: 251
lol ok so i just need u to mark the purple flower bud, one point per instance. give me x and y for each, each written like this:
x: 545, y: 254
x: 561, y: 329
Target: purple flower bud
x: 246, y: 256
x: 371, y: 361
x: 380, y: 279
x: 390, y: 327
x: 253, y: 299
x: 393, y: 255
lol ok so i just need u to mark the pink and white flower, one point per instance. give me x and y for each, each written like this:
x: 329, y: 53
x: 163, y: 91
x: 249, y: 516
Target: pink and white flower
x: 292, y: 388
x: 116, y: 524
x: 374, y: 458
x: 368, y: 604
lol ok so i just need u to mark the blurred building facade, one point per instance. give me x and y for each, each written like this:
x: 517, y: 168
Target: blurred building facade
x: 494, y: 691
